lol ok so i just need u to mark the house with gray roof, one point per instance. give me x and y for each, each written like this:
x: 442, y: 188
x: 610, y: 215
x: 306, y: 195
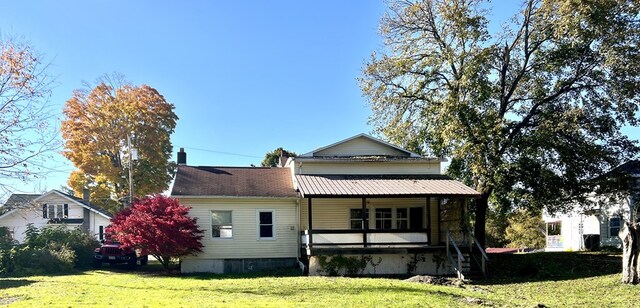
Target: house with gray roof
x: 360, y: 198
x: 53, y: 208
x: 591, y: 228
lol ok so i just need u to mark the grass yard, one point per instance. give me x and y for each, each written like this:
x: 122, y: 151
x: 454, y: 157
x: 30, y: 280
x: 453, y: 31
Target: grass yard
x: 581, y: 284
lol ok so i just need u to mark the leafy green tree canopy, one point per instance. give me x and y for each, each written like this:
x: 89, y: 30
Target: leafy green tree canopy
x: 525, y: 230
x: 98, y: 124
x: 528, y: 114
x: 272, y: 159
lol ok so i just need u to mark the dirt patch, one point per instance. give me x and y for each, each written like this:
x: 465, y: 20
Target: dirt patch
x: 8, y: 300
x: 437, y: 280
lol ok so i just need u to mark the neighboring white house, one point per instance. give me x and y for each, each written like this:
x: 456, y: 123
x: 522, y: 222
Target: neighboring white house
x: 587, y: 229
x: 360, y: 197
x: 51, y: 209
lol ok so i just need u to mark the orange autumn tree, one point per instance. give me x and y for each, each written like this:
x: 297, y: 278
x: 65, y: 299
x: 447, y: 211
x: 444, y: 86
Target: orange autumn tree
x: 98, y: 122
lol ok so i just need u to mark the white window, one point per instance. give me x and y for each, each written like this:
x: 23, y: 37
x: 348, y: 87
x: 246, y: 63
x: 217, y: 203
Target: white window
x: 383, y: 219
x: 266, y: 224
x: 355, y: 218
x: 614, y: 226
x: 52, y: 211
x: 221, y: 224
x: 402, y: 218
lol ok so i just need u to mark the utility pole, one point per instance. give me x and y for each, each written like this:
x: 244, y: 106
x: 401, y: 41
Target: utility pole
x: 130, y: 150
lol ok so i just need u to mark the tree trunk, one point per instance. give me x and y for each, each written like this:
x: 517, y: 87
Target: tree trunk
x: 630, y: 235
x: 482, y: 204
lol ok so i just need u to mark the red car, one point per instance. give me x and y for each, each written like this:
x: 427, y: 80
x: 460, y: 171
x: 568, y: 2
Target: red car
x: 110, y: 252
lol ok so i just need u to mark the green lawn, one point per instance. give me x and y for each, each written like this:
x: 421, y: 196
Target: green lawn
x: 150, y: 287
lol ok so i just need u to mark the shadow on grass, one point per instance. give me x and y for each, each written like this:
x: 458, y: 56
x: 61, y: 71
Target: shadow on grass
x: 14, y: 283
x: 281, y: 272
x: 550, y: 266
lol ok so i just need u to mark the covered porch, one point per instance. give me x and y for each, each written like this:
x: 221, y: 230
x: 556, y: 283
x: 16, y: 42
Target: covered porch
x: 373, y: 214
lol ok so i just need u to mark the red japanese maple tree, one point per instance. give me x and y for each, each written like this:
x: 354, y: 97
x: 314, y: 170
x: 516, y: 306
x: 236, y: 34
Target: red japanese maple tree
x: 159, y: 226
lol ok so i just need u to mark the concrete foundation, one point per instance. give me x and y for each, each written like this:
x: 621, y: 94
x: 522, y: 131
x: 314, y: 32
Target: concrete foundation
x: 392, y: 264
x: 235, y: 266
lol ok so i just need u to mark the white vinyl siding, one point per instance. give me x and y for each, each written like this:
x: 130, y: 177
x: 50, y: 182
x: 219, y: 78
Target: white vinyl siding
x: 367, y: 168
x: 245, y: 242
x: 361, y: 146
x: 335, y: 213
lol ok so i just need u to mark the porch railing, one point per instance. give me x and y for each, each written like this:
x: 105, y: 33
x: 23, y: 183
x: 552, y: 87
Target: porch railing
x: 457, y: 266
x: 554, y: 241
x: 364, y: 238
x: 483, y: 255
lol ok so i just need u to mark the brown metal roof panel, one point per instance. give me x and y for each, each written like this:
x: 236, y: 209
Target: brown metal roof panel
x: 380, y: 185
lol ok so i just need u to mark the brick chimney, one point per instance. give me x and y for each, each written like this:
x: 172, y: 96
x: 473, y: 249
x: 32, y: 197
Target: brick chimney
x: 182, y: 157
x: 86, y: 194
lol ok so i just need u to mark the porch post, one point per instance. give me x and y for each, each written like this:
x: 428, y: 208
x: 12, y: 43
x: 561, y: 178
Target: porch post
x: 365, y: 222
x: 439, y: 220
x: 428, y: 211
x: 310, y: 223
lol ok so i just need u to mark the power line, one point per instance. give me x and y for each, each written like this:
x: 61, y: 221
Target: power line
x: 220, y: 152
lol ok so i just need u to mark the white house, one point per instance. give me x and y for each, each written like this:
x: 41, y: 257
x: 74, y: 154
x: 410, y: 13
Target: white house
x: 51, y: 209
x: 588, y: 229
x: 360, y: 197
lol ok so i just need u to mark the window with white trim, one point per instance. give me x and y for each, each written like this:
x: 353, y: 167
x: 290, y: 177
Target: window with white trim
x: 222, y: 224
x: 402, y: 218
x: 384, y: 218
x: 51, y: 211
x: 355, y: 218
x: 266, y: 224
x: 614, y: 226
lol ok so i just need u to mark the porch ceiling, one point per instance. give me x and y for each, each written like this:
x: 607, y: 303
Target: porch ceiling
x: 381, y: 186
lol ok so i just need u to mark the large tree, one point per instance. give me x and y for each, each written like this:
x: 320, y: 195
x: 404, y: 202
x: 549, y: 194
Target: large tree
x: 27, y: 140
x: 272, y: 159
x: 527, y: 114
x: 159, y: 226
x: 99, y: 123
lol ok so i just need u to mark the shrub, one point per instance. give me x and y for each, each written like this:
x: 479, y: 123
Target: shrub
x: 48, y: 250
x: 6, y: 243
x: 80, y: 242
x: 55, y: 258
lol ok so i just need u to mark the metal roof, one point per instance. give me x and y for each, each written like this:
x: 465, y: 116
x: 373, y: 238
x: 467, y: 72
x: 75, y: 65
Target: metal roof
x: 381, y: 186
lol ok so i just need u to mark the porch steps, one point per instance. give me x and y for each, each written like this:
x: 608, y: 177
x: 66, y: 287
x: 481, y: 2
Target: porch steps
x: 471, y: 268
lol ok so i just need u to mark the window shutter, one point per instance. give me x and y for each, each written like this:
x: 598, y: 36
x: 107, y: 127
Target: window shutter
x: 44, y: 210
x: 66, y: 211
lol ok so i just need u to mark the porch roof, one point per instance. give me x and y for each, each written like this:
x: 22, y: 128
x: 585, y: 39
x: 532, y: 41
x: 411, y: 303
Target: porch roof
x: 381, y: 186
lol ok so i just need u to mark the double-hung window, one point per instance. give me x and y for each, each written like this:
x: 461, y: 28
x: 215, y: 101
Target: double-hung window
x: 355, y: 218
x: 222, y: 224
x: 383, y: 218
x: 52, y: 211
x: 402, y: 218
x: 266, y: 224
x: 614, y: 226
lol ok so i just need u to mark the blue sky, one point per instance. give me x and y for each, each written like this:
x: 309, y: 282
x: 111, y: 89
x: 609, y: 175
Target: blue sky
x: 245, y: 77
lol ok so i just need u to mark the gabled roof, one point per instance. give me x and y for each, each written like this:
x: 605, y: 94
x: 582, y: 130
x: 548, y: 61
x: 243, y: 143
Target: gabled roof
x: 233, y: 182
x: 631, y: 167
x: 391, y: 147
x: 16, y: 201
x: 381, y: 186
x: 79, y: 201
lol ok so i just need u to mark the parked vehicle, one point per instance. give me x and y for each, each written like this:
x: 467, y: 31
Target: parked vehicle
x: 111, y: 252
